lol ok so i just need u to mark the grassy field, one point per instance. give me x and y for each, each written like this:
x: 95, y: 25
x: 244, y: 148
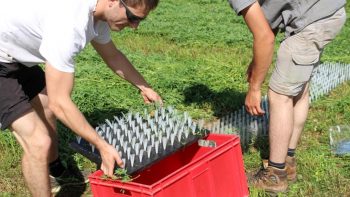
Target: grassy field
x: 195, y: 53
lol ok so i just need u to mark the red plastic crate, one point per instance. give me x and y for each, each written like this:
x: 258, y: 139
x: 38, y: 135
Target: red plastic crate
x: 194, y: 171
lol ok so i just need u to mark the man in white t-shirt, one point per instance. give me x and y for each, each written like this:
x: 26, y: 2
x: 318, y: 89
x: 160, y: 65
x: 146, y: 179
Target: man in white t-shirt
x: 54, y: 32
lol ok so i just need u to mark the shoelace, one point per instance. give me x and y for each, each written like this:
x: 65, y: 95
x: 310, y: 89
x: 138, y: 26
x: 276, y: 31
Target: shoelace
x: 261, y: 175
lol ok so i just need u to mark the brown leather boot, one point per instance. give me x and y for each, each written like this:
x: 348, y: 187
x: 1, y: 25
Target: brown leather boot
x: 270, y: 179
x: 291, y: 166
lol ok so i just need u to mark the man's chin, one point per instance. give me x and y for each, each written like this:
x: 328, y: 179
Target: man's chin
x: 116, y: 27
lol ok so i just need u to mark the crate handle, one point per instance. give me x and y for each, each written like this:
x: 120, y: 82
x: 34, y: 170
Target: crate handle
x: 122, y: 191
x: 207, y: 143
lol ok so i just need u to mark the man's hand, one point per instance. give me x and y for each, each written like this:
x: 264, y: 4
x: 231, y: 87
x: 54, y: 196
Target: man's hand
x: 253, y: 101
x: 149, y: 95
x: 109, y: 157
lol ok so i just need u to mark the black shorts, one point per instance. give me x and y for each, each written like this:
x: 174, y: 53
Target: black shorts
x: 19, y: 84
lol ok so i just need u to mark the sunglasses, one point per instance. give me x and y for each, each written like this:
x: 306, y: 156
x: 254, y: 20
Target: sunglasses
x: 132, y: 18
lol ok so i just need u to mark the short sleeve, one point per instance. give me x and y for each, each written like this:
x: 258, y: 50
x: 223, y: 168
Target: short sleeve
x: 62, y: 39
x: 239, y: 5
x: 103, y: 33
x: 59, y: 48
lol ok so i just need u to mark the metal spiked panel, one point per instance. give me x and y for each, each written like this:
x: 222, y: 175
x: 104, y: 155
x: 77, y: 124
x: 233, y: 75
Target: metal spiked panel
x: 325, y: 77
x: 143, y: 139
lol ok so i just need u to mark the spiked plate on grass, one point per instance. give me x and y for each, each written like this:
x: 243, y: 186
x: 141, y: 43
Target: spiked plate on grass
x: 144, y: 139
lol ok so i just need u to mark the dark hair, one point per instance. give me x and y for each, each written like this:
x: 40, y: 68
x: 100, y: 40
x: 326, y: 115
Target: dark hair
x: 147, y: 4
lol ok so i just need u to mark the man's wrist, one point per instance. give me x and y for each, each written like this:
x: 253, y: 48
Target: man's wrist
x: 100, y: 143
x: 254, y: 87
x: 143, y: 88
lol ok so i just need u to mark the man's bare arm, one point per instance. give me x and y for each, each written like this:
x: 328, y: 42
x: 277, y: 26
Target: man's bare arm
x: 59, y: 87
x: 117, y: 61
x: 263, y: 48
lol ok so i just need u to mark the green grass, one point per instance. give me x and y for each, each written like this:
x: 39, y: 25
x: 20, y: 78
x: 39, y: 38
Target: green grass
x: 195, y: 53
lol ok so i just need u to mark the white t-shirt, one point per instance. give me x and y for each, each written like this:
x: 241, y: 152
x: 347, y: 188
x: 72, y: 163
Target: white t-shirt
x: 36, y: 31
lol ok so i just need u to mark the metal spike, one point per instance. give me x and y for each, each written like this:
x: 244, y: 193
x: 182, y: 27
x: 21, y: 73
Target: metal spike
x: 179, y: 135
x: 137, y: 148
x: 78, y: 139
x: 149, y: 150
x: 165, y: 141
x: 109, y: 123
x: 145, y: 143
x: 141, y: 155
x: 132, y: 159
x: 92, y: 148
x: 128, y: 151
x: 156, y: 145
x: 172, y: 138
x: 133, y: 142
x: 152, y: 139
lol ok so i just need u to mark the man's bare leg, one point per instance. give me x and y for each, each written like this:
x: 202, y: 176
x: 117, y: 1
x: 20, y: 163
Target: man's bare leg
x: 281, y: 125
x: 301, y: 109
x: 33, y: 136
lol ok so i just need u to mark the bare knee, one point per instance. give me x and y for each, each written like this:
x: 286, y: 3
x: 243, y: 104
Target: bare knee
x: 33, y: 135
x: 38, y: 146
